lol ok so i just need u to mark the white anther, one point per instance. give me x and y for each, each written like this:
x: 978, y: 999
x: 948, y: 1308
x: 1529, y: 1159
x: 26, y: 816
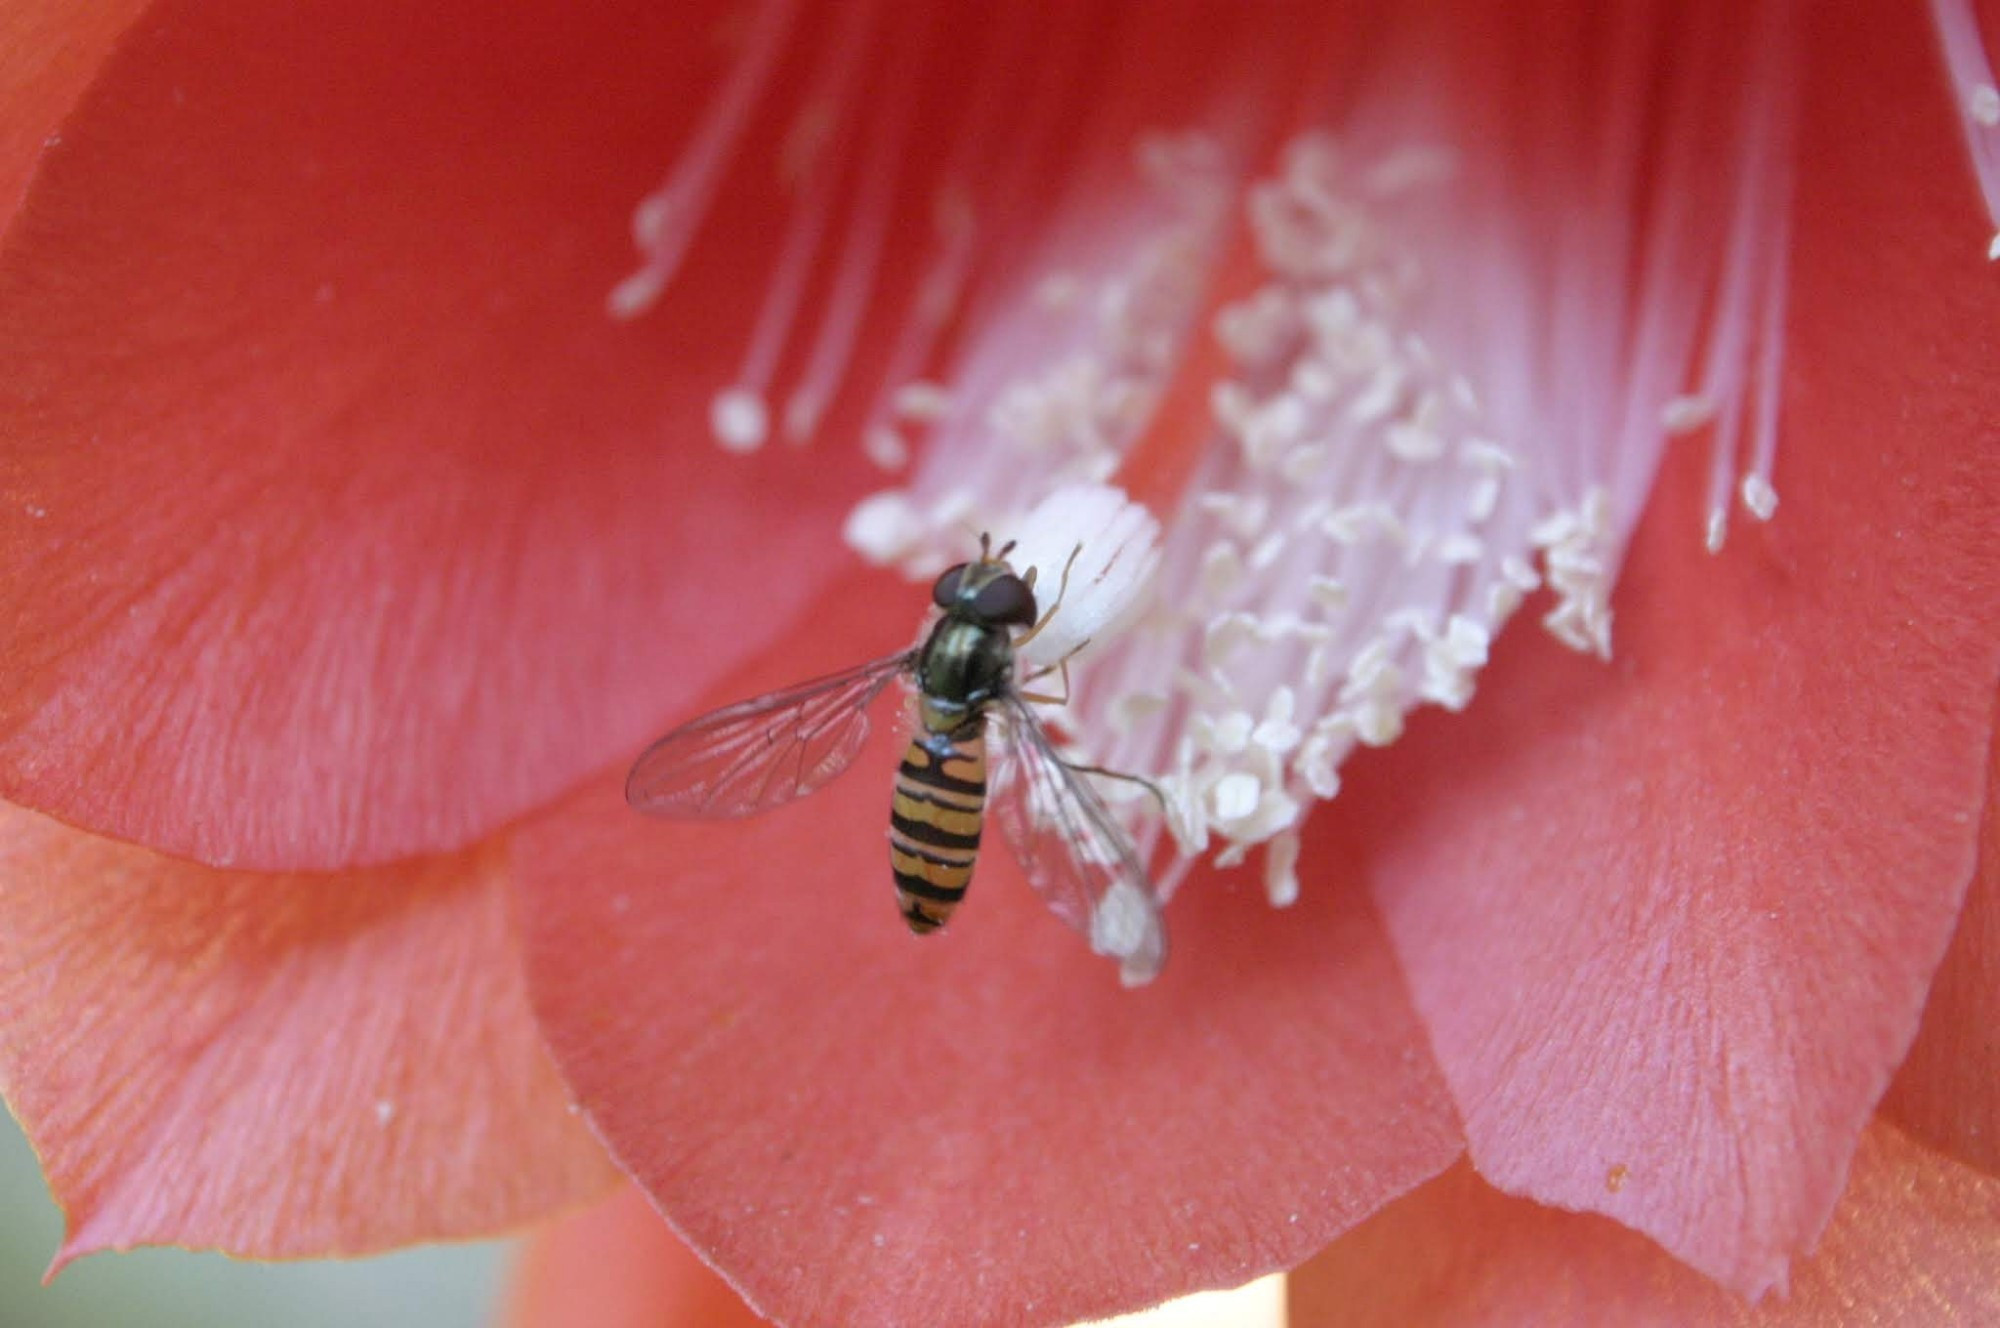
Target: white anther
x: 1281, y: 870
x: 1414, y: 443
x: 923, y: 402
x: 1759, y: 497
x: 1685, y: 414
x: 740, y: 420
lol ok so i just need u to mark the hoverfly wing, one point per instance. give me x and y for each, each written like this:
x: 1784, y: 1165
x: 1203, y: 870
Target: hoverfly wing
x: 760, y: 754
x: 1072, y: 850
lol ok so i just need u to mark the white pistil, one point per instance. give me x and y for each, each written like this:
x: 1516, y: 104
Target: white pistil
x: 1096, y: 549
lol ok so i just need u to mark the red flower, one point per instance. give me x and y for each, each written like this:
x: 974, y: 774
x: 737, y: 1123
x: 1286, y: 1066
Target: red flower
x: 353, y: 548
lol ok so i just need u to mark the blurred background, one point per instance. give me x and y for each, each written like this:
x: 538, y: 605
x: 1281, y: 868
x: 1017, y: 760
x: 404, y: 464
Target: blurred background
x: 444, y: 1286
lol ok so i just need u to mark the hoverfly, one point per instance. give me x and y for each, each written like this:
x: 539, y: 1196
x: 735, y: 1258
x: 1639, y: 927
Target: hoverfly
x: 757, y: 755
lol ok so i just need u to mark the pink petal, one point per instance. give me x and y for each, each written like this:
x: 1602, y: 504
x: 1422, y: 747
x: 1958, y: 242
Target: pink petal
x: 341, y: 520
x: 51, y: 50
x: 1673, y: 920
x: 1948, y: 1092
x: 1914, y: 1241
x: 857, y: 1126
x: 275, y: 1066
x: 618, y: 1266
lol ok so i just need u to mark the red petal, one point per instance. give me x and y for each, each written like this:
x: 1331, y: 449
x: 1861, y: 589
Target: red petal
x: 1914, y: 1241
x: 1948, y: 1092
x: 274, y: 1065
x: 619, y: 1266
x: 860, y: 1127
x: 1674, y: 919
x: 52, y: 49
x: 341, y: 521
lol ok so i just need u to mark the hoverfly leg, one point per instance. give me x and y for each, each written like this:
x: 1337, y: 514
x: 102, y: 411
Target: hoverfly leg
x: 1059, y: 667
x: 1061, y: 589
x: 1044, y: 698
x: 1159, y: 794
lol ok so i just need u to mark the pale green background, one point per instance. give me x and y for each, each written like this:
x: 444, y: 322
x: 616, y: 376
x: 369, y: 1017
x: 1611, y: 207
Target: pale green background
x: 439, y: 1287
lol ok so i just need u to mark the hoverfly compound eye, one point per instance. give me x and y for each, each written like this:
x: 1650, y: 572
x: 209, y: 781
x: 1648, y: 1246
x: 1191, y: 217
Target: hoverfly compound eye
x: 945, y: 593
x: 1005, y: 600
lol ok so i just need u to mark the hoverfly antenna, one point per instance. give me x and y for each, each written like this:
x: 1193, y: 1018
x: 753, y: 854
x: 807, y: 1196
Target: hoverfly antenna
x: 985, y: 547
x: 1005, y: 549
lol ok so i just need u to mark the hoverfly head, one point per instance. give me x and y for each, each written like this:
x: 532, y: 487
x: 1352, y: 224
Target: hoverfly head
x: 987, y: 591
x: 945, y: 593
x: 1005, y: 600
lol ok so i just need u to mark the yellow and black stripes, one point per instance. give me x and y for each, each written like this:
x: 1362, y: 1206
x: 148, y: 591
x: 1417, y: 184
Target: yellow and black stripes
x: 934, y: 822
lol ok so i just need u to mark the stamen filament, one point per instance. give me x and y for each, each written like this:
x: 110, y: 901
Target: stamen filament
x: 861, y: 254
x: 666, y: 221
x: 826, y: 104
x: 1978, y: 100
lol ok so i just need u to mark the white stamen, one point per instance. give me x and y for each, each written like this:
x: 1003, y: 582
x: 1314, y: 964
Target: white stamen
x: 1983, y: 105
x: 1686, y: 414
x: 739, y: 419
x: 1126, y: 927
x: 665, y: 223
x: 885, y: 447
x: 1965, y: 48
x: 808, y: 157
x: 1319, y: 758
x: 925, y: 403
x: 886, y: 528
x: 855, y: 271
x: 1448, y: 388
x: 1759, y: 497
x: 1234, y: 797
x: 1281, y: 870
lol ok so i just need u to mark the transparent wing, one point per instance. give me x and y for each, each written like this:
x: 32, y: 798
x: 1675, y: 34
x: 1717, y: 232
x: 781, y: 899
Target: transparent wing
x: 1072, y: 850
x: 756, y: 755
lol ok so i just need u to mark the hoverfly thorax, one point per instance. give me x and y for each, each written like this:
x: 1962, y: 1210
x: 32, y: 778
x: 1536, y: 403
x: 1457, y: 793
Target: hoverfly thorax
x: 968, y: 659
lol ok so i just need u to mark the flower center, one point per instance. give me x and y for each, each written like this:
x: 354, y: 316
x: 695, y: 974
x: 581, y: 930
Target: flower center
x: 1437, y: 339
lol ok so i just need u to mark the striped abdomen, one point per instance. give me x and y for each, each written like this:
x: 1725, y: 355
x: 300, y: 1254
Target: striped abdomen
x: 934, y: 822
